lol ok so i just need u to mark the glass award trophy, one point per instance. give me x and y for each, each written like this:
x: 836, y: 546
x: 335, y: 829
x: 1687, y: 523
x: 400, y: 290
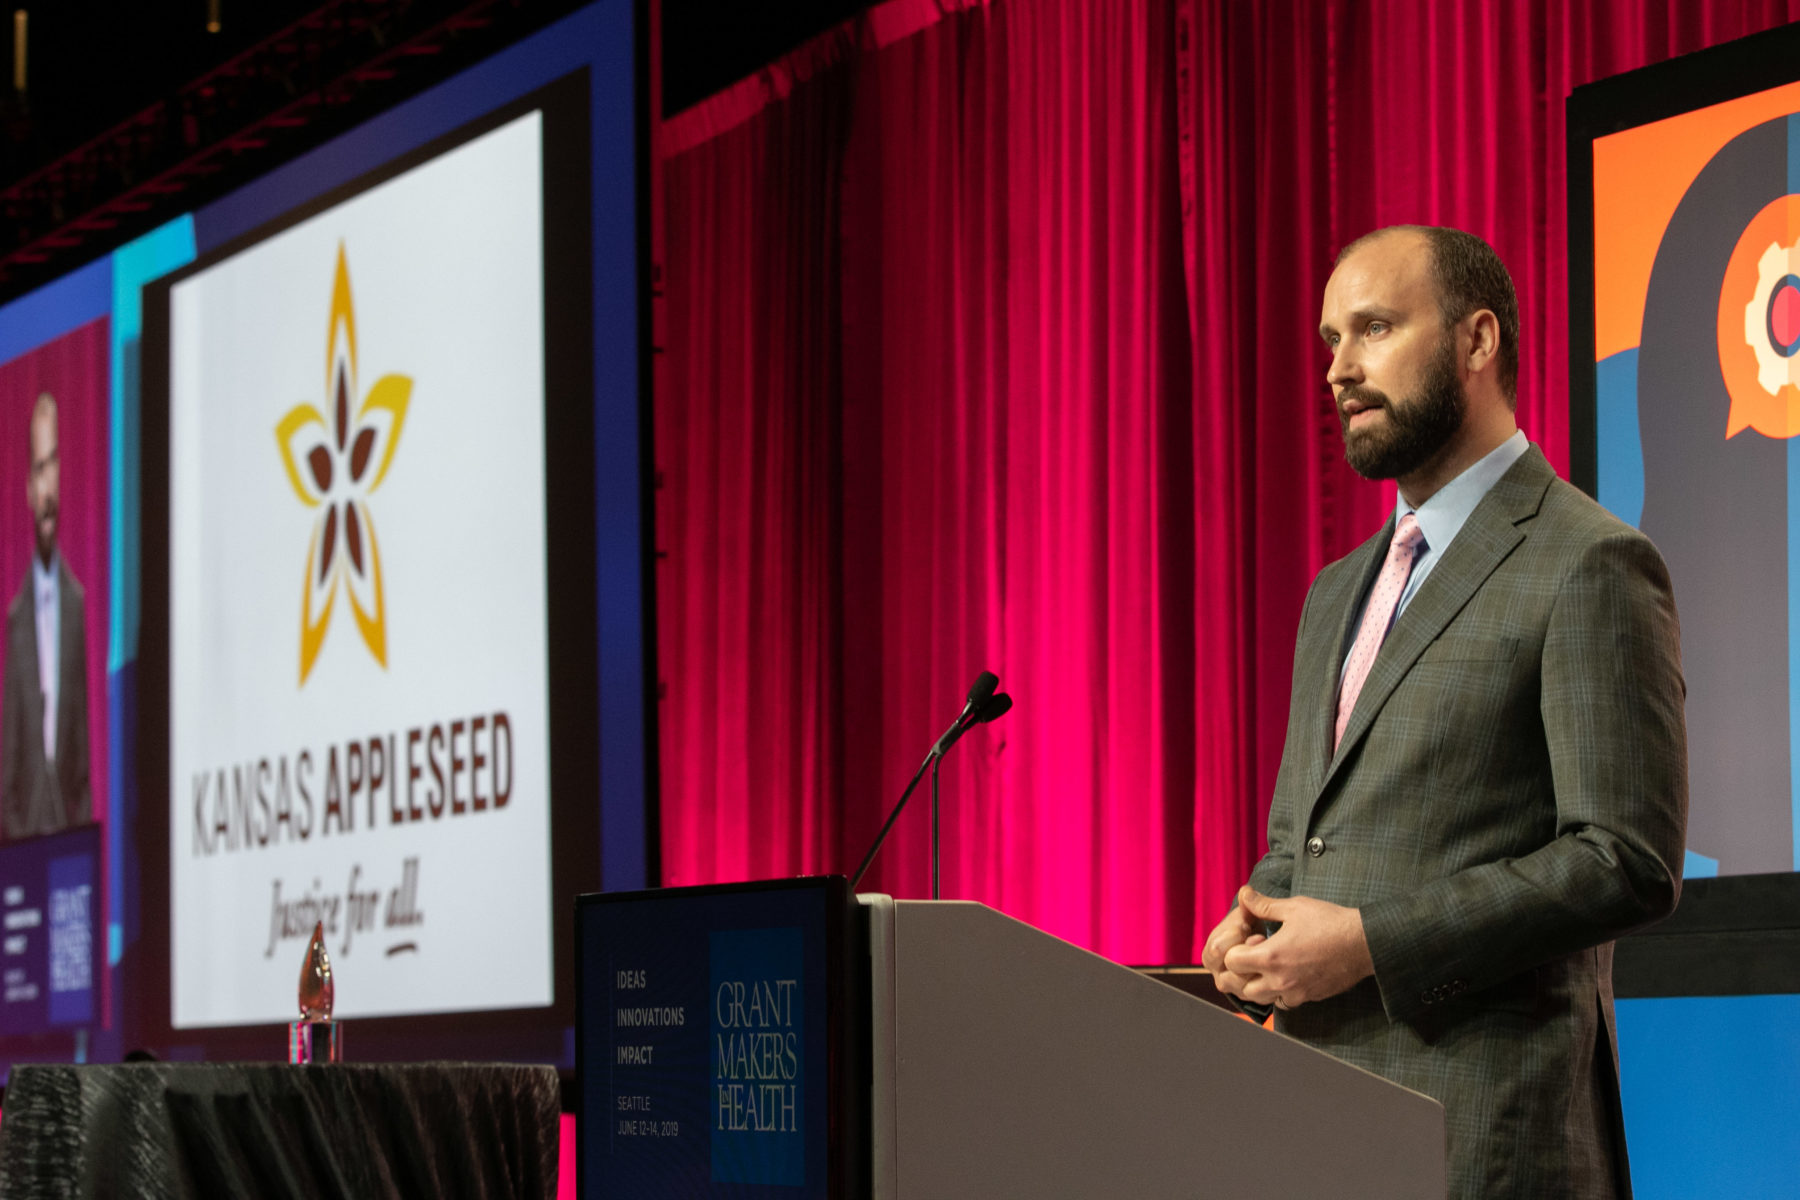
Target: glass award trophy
x: 315, y: 1037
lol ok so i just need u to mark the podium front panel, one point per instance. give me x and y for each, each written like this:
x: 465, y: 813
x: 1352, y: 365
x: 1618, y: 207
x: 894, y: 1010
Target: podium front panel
x: 713, y: 1036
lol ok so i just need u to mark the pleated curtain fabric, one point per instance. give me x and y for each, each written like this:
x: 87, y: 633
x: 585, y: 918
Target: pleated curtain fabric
x: 988, y: 344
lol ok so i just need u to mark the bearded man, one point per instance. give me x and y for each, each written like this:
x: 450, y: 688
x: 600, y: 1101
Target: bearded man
x: 1485, y: 775
x: 43, y: 718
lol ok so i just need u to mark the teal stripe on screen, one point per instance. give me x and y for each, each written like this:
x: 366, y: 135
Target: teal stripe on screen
x: 155, y: 254
x: 149, y: 257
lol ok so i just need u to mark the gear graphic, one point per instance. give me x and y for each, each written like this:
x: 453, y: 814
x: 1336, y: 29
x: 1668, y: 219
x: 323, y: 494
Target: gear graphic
x: 1772, y: 318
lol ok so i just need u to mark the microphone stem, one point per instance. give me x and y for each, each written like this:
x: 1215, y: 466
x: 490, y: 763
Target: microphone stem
x: 935, y: 764
x: 967, y: 720
x: 892, y: 817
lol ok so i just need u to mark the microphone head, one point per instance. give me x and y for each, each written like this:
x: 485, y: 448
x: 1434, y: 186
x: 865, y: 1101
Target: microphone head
x: 982, y: 689
x: 996, y: 708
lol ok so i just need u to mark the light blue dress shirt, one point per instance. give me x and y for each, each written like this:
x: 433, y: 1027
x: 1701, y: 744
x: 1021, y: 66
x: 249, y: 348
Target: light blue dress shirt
x: 1442, y: 516
x: 49, y: 629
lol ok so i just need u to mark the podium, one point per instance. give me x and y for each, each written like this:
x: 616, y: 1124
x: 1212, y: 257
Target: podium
x: 788, y: 1033
x: 1008, y: 1062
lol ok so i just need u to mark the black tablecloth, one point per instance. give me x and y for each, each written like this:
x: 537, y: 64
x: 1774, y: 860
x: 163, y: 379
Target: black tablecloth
x: 486, y: 1132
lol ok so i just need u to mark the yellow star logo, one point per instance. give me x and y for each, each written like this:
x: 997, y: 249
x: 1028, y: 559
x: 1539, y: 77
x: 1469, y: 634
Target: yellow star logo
x: 335, y: 467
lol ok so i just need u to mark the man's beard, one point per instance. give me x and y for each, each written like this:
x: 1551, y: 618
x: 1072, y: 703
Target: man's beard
x: 1415, y: 430
x: 45, y: 532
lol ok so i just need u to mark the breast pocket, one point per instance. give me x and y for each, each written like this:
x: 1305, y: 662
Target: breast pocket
x: 1468, y: 699
x: 1466, y: 650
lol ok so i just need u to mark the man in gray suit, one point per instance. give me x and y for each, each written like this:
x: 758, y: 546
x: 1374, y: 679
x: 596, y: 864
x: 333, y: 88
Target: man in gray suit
x: 1485, y: 775
x: 43, y: 717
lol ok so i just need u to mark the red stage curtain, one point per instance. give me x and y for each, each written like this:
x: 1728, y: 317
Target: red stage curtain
x: 989, y: 343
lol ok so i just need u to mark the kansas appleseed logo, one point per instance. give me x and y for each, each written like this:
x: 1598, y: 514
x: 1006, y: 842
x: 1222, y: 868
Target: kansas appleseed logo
x: 334, y: 467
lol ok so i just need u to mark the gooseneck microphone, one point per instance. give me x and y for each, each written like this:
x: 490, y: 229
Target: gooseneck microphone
x: 996, y: 708
x: 983, y: 706
x: 980, y: 692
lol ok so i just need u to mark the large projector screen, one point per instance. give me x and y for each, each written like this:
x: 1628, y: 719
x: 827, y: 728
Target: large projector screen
x: 358, y: 642
x: 381, y: 558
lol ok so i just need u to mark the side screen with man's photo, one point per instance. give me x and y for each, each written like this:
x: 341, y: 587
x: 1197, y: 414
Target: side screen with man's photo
x: 54, y: 575
x: 322, y: 509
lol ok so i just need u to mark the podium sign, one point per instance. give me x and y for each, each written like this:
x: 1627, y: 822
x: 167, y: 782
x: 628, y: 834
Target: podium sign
x: 713, y: 1040
x: 49, y: 914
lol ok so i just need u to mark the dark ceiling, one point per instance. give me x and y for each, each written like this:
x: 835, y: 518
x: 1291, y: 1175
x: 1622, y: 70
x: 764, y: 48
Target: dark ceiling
x: 92, y: 63
x: 95, y: 63
x: 709, y: 44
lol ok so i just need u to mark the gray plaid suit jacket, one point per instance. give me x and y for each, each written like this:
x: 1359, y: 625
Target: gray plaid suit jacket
x: 1510, y: 796
x: 36, y: 795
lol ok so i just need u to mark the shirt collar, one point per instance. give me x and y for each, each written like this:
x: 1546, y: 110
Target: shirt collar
x: 43, y: 578
x: 1442, y: 516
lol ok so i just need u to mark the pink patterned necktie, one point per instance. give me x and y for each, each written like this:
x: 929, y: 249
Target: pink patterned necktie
x: 1409, y: 539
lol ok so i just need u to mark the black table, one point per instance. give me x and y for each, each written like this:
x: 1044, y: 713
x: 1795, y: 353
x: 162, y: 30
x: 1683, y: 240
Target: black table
x: 486, y: 1132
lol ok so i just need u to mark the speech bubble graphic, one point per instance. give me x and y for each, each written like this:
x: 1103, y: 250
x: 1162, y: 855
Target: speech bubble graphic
x: 1759, y: 323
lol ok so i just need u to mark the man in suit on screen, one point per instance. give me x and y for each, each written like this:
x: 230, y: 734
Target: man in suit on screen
x: 1485, y: 775
x: 43, y: 715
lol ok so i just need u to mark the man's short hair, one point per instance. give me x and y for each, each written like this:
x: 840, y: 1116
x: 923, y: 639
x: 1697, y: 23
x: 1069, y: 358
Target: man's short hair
x: 1469, y: 277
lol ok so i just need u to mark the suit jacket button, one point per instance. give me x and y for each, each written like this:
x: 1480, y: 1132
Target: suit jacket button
x: 1315, y: 846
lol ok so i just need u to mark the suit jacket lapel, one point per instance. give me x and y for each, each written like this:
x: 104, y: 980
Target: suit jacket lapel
x: 1486, y: 538
x: 70, y: 630
x: 1338, y: 602
x: 34, y: 694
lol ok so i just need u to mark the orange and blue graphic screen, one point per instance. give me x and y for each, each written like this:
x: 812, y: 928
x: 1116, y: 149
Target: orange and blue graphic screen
x: 1697, y: 364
